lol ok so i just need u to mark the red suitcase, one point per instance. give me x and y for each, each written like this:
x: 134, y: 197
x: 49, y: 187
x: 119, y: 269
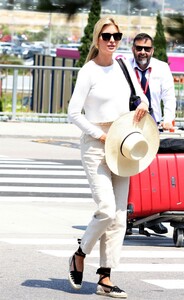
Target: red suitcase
x: 160, y: 187
x: 157, y: 194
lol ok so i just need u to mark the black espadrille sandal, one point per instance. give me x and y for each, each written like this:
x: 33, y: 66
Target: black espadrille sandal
x: 75, y: 277
x: 107, y: 290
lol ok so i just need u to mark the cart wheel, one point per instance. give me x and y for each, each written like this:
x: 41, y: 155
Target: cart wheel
x: 178, y: 237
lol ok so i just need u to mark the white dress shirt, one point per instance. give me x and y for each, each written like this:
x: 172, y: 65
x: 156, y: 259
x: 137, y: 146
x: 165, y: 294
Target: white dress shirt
x: 161, y: 85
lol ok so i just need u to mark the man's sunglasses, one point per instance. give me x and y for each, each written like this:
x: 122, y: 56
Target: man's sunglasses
x: 107, y: 36
x: 139, y: 48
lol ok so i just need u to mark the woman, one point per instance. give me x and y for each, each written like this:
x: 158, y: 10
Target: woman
x: 103, y: 93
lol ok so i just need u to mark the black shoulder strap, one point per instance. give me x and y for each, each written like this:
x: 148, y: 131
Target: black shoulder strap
x: 127, y: 75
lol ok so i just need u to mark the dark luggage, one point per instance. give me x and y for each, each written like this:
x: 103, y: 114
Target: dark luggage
x: 171, y: 145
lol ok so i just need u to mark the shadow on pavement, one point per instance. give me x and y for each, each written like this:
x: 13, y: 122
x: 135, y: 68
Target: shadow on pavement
x: 88, y: 288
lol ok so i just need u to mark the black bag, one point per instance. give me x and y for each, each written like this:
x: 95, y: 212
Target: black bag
x: 134, y: 99
x: 134, y: 102
x: 171, y: 145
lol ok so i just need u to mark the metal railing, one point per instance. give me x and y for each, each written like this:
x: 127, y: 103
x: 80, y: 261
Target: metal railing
x: 33, y: 93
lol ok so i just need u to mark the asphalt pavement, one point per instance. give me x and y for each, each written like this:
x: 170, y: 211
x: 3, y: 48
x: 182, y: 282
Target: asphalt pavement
x: 39, y: 228
x: 52, y: 130
x: 39, y: 130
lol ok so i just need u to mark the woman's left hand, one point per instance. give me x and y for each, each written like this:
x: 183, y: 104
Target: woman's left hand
x: 167, y: 126
x: 140, y: 111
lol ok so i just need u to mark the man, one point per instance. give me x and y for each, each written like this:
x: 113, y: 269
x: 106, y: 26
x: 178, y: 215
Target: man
x: 157, y: 83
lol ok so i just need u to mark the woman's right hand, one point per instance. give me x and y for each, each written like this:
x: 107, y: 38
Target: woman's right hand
x: 140, y: 111
x: 103, y: 138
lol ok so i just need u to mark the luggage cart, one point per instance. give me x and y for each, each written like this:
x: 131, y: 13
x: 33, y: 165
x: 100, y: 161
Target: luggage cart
x: 175, y: 218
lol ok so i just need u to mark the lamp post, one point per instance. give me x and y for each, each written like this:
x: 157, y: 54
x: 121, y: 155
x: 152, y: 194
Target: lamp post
x: 83, y: 11
x: 128, y: 26
x: 10, y: 6
x: 56, y: 6
x: 140, y: 15
x: 163, y: 7
x: 50, y: 32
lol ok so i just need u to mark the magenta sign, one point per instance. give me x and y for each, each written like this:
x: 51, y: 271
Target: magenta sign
x: 68, y: 53
x: 176, y: 63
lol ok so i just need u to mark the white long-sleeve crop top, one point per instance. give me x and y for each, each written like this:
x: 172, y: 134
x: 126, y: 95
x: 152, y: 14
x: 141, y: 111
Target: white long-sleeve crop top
x: 101, y: 95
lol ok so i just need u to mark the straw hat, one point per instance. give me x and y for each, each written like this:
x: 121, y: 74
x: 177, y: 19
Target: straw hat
x: 130, y: 147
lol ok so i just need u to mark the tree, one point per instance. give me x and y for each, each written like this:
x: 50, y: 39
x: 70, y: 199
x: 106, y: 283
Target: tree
x: 160, y: 43
x: 175, y: 27
x: 10, y: 4
x: 69, y: 7
x: 94, y: 16
x: 137, y: 4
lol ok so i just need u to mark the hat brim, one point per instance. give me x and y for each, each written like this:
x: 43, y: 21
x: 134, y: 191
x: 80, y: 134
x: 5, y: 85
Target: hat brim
x: 120, y: 129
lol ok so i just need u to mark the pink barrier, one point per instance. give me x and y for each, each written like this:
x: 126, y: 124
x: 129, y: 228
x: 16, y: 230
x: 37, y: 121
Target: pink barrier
x: 68, y: 53
x: 176, y: 63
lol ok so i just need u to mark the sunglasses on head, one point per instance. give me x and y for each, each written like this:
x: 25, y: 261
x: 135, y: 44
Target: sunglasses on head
x: 139, y: 48
x: 107, y: 36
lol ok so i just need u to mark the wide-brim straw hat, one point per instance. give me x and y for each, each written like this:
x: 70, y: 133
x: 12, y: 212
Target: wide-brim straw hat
x: 130, y: 146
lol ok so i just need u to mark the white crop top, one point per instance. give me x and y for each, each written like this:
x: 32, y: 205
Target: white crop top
x: 101, y: 95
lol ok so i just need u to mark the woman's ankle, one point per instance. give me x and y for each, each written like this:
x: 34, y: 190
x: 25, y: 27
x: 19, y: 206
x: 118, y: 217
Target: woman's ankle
x: 105, y: 280
x: 79, y: 252
x: 79, y: 261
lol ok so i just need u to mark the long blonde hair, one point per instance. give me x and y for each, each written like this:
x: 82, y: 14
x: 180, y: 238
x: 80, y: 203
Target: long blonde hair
x: 93, y: 51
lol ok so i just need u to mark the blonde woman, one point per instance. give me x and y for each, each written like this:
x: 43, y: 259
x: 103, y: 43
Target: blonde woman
x: 102, y: 94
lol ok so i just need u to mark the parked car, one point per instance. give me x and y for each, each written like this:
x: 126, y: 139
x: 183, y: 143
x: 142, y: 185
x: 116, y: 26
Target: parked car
x: 27, y: 101
x: 18, y: 51
x: 6, y: 48
x: 179, y: 49
x: 180, y: 104
x: 29, y: 52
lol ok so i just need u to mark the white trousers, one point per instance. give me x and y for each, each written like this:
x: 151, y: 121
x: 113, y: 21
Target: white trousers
x: 110, y: 193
